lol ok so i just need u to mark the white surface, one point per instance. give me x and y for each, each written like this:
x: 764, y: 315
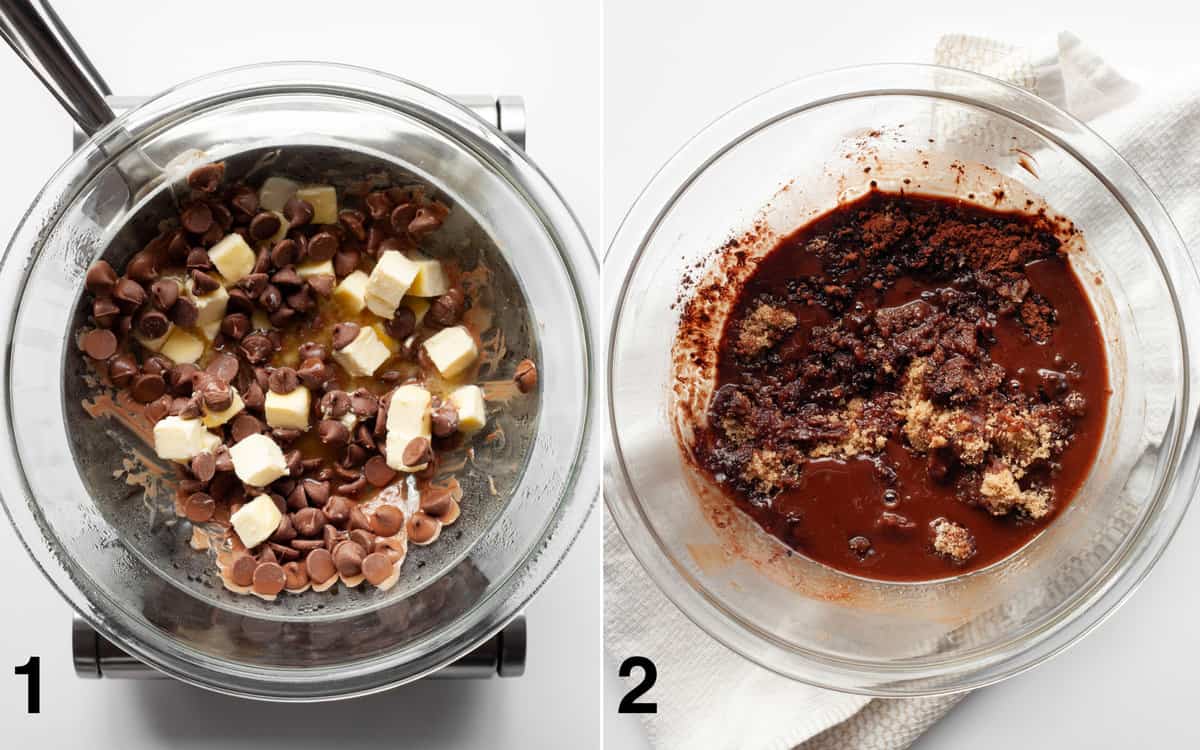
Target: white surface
x: 673, y: 67
x: 549, y: 52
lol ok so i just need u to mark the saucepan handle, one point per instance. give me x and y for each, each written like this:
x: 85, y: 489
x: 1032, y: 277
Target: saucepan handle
x: 38, y: 36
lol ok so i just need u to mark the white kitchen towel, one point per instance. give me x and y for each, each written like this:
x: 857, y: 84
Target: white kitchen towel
x: 709, y: 697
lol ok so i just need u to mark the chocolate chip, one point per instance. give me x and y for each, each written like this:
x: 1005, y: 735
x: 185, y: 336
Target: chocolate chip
x: 526, y: 376
x: 269, y: 579
x: 322, y: 284
x: 312, y: 350
x: 334, y: 404
x: 323, y: 246
x: 254, y: 397
x: 348, y: 558
x: 216, y: 395
x: 427, y: 220
x: 346, y: 261
x: 245, y: 425
x: 243, y: 570
x: 436, y: 501
x: 207, y: 178
x: 100, y: 279
x: 313, y: 373
x: 203, y: 283
x: 318, y: 491
x: 295, y: 576
x: 199, y: 508
x: 285, y: 531
x: 152, y: 324
x: 157, y: 364
x: 287, y: 276
x: 298, y: 212
x: 422, y: 529
x: 447, y: 309
x: 98, y: 343
x: 244, y: 202
x: 285, y: 253
x: 284, y: 553
x: 271, y: 298
x: 308, y: 522
x: 283, y: 380
x: 344, y: 334
x: 444, y: 420
x: 264, y: 226
x: 197, y: 218
x: 352, y: 221
x: 235, y: 326
x: 379, y: 206
x: 198, y: 260
x: 122, y: 370
x: 377, y: 568
x: 282, y: 316
x: 402, y: 216
x: 363, y: 538
x: 355, y: 487
x: 387, y: 520
x: 204, y: 466
x: 180, y: 377
x: 256, y: 348
x: 417, y: 452
x: 364, y: 403
x: 184, y: 313
x: 178, y: 248
x: 147, y: 387
x: 319, y: 564
x: 164, y: 293
x: 333, y: 433
x: 402, y: 324
x: 129, y: 295
x: 378, y: 473
x: 105, y: 312
x: 254, y: 284
x: 158, y: 408
x: 223, y: 367
x: 142, y: 267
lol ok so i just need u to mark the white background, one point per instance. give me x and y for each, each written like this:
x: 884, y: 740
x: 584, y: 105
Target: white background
x: 550, y: 53
x: 672, y: 67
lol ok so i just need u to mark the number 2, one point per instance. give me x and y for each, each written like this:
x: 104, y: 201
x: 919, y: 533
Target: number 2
x: 33, y: 670
x: 629, y: 704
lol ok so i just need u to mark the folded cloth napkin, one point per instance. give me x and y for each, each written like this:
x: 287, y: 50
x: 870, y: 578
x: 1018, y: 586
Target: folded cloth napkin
x: 1160, y: 135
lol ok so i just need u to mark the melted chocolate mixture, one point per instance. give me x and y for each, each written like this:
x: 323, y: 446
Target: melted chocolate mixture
x: 908, y: 387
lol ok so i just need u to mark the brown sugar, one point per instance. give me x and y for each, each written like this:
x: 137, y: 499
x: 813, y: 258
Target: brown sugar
x: 952, y: 540
x: 763, y: 329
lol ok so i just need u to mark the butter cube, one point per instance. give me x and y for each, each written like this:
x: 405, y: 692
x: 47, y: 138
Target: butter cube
x: 418, y: 305
x: 323, y: 199
x: 218, y: 418
x: 182, y: 346
x: 232, y: 257
x: 389, y: 281
x: 431, y: 280
x: 289, y: 409
x: 154, y: 345
x: 315, y: 268
x: 179, y: 439
x: 210, y: 330
x: 258, y: 461
x: 275, y: 193
x: 408, y: 418
x: 256, y: 521
x: 352, y: 292
x: 451, y: 350
x: 210, y: 307
x: 472, y: 414
x: 392, y: 344
x: 363, y: 356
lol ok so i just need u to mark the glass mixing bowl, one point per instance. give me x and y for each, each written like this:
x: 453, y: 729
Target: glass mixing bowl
x: 762, y: 170
x: 122, y: 559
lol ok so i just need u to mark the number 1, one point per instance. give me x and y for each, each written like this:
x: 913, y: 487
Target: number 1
x: 33, y: 670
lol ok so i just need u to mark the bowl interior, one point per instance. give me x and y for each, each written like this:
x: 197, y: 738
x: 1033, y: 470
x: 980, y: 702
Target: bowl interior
x: 799, y: 617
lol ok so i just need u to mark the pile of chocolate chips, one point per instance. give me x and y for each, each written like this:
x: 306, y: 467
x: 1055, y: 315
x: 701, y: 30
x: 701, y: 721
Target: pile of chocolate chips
x: 322, y: 532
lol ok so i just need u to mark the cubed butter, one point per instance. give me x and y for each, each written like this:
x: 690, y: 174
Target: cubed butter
x: 289, y: 409
x: 472, y: 414
x: 275, y: 193
x: 431, y: 279
x: 233, y: 258
x: 257, y: 460
x: 315, y: 268
x: 210, y: 330
x: 363, y: 356
x: 323, y: 199
x: 351, y: 294
x: 182, y: 346
x: 218, y: 418
x: 210, y: 307
x: 155, y: 345
x: 418, y: 305
x: 256, y: 521
x: 392, y: 344
x: 451, y: 350
x: 390, y: 279
x: 179, y: 439
x: 408, y: 418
